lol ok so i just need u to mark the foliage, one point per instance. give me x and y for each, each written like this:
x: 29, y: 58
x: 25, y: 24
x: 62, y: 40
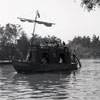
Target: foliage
x: 14, y: 42
x: 23, y: 46
x: 8, y: 37
x: 47, y: 39
x: 90, y: 4
x: 86, y: 47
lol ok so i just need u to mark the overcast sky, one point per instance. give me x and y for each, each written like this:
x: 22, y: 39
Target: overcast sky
x: 70, y: 18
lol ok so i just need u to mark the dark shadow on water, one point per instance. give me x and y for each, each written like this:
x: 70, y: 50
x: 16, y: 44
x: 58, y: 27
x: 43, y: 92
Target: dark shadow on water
x: 96, y: 62
x: 45, y: 78
x: 53, y: 84
x: 39, y: 85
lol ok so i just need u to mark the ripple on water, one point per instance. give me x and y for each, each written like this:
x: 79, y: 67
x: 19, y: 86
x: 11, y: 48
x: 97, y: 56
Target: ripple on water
x: 75, y: 85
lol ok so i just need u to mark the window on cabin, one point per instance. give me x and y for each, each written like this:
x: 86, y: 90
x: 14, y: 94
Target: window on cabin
x: 61, y: 58
x: 45, y: 58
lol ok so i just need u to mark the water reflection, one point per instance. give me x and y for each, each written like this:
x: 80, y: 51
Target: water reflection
x: 82, y: 84
x: 45, y: 86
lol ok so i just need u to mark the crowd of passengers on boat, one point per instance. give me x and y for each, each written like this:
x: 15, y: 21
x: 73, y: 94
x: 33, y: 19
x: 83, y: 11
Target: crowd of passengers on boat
x: 51, y: 53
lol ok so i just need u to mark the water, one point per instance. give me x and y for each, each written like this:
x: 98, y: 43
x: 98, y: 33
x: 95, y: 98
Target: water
x: 83, y: 84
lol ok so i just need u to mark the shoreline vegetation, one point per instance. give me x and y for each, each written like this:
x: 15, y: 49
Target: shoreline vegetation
x: 14, y: 43
x: 86, y: 47
x: 4, y: 62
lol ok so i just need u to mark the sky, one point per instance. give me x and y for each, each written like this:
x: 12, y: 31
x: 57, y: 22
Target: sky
x: 69, y: 17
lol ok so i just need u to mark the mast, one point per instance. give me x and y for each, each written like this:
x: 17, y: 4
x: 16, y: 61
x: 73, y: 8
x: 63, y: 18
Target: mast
x: 48, y: 24
x: 34, y: 27
x: 35, y: 22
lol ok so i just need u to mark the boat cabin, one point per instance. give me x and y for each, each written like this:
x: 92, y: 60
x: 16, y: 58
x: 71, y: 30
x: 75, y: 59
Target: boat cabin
x: 49, y: 54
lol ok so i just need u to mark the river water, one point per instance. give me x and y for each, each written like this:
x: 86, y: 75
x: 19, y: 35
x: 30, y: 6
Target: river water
x: 83, y: 84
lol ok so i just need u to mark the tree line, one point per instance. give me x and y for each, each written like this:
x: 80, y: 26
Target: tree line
x: 14, y: 43
x: 86, y: 47
x: 90, y: 4
x: 10, y: 41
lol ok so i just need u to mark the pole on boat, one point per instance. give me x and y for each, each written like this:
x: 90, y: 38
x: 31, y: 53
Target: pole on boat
x: 35, y: 22
x: 34, y: 27
x: 48, y: 24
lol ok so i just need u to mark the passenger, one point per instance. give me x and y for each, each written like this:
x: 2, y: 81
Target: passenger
x: 64, y: 43
x: 57, y: 45
x: 29, y: 55
x: 74, y: 56
x: 44, y: 60
x: 60, y: 60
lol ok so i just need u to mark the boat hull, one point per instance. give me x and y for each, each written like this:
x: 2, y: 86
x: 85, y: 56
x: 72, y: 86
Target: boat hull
x: 29, y: 67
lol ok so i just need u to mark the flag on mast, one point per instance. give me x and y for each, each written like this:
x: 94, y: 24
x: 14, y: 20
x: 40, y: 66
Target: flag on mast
x: 45, y: 23
x: 24, y: 20
x: 38, y: 14
x: 48, y: 24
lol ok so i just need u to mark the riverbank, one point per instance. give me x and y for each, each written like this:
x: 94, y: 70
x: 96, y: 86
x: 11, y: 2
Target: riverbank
x: 5, y: 62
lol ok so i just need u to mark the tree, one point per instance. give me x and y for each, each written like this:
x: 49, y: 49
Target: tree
x: 23, y: 46
x: 12, y: 32
x: 86, y: 41
x: 95, y: 42
x: 90, y: 4
x: 8, y: 37
x: 86, y: 47
x: 36, y: 39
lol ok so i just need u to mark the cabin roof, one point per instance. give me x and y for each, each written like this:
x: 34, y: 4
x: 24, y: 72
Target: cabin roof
x: 49, y: 48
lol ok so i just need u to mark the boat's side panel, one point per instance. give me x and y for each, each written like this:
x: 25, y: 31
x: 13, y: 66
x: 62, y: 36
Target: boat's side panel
x: 34, y: 67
